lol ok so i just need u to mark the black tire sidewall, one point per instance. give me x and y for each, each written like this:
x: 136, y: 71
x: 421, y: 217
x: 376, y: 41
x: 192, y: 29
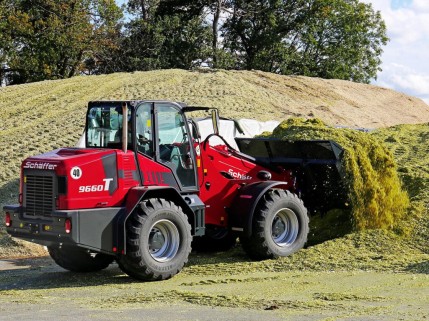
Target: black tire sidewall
x: 294, y: 204
x: 184, y: 235
x: 138, y: 262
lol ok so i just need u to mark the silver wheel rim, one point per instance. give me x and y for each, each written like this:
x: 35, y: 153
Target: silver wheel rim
x: 284, y: 227
x: 164, y: 241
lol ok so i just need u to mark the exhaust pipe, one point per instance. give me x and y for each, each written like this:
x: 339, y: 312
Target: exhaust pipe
x: 215, y: 121
x: 124, y: 127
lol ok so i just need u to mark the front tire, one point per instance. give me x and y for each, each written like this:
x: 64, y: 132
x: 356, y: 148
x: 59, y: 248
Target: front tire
x: 279, y: 228
x: 158, y: 241
x: 76, y: 259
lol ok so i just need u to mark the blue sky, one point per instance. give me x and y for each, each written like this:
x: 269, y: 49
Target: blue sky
x: 405, y: 58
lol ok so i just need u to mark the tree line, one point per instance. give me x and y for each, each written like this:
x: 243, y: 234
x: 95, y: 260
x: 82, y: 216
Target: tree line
x: 50, y: 39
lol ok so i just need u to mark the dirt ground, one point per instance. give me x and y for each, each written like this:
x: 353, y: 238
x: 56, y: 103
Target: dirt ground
x: 37, y: 289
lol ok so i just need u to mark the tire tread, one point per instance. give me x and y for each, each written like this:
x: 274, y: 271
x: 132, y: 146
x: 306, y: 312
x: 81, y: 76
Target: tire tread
x: 256, y: 246
x: 133, y: 263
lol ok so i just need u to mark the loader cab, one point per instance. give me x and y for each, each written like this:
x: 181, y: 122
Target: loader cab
x: 157, y: 133
x: 104, y: 125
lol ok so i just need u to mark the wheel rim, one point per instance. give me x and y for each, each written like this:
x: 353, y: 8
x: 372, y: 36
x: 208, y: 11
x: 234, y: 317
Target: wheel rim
x: 164, y: 240
x: 284, y: 227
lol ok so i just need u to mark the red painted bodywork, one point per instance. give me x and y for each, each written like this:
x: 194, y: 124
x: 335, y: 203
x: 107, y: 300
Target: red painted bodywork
x: 152, y: 171
x: 216, y: 190
x: 85, y: 192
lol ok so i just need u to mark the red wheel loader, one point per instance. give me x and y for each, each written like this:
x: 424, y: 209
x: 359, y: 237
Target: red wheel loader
x: 146, y: 189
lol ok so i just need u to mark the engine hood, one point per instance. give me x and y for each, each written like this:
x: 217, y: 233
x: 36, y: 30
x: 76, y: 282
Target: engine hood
x: 83, y: 177
x: 64, y: 156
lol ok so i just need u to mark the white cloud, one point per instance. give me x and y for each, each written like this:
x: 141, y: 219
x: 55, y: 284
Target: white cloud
x: 403, y: 77
x: 405, y: 24
x: 421, y: 5
x: 405, y: 66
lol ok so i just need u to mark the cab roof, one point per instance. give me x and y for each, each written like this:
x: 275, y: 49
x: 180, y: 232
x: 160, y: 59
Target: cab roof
x: 181, y: 105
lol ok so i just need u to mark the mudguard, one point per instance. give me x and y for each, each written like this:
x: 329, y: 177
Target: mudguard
x: 192, y: 206
x: 244, y: 205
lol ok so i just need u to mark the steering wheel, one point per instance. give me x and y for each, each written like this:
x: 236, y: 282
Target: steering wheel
x: 143, y: 140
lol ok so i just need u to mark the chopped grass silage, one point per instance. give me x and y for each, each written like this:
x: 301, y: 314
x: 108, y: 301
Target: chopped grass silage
x: 409, y: 145
x: 374, y: 189
x: 39, y: 117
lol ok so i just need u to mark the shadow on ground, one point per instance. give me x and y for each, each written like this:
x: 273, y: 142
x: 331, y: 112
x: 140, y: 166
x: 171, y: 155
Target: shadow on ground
x: 43, y: 273
x: 421, y: 268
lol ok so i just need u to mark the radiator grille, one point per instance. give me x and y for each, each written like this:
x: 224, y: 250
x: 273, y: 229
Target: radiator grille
x: 39, y: 195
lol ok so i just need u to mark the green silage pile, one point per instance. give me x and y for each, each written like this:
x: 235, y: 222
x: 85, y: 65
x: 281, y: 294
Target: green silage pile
x: 374, y: 190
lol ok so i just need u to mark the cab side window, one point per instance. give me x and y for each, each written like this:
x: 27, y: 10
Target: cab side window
x: 144, y: 135
x: 174, y: 144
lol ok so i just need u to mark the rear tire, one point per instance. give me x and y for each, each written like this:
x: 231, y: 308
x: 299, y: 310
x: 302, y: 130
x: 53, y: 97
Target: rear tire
x: 76, y: 259
x: 279, y: 228
x: 158, y: 241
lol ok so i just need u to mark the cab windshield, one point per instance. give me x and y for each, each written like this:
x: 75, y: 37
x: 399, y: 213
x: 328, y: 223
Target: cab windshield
x: 104, y: 126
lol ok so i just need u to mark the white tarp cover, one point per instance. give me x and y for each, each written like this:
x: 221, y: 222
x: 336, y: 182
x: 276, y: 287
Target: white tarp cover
x: 253, y: 127
x: 227, y: 130
x: 81, y: 141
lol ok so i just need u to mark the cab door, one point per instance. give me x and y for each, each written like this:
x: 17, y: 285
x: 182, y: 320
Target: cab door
x: 173, y: 144
x: 162, y: 136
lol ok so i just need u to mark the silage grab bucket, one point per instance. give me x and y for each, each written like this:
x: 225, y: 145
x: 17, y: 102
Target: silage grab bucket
x: 316, y: 163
